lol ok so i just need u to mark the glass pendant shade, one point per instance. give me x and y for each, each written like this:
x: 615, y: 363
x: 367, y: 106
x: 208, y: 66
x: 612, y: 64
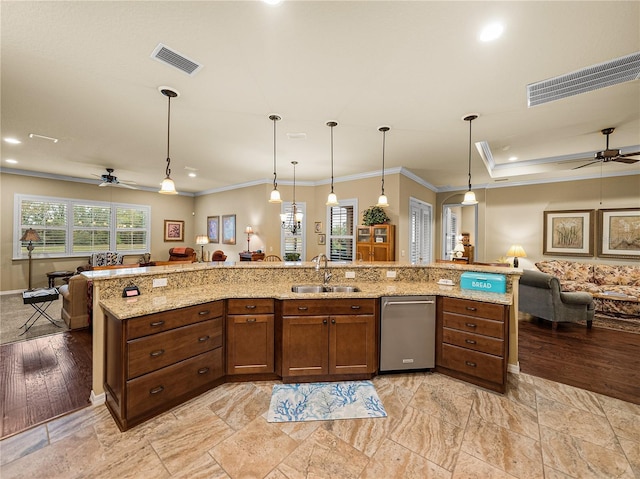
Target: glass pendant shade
x: 469, y: 198
x: 332, y: 200
x: 168, y: 187
x: 382, y: 201
x: 275, y: 197
x: 299, y: 215
x: 275, y: 194
x: 283, y: 217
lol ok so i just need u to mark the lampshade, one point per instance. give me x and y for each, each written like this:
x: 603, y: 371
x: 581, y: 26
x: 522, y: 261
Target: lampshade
x: 459, y: 247
x: 469, y: 198
x: 168, y: 187
x: 248, y: 230
x: 516, y: 251
x: 202, y: 239
x: 30, y: 235
x: 382, y: 199
x: 275, y: 197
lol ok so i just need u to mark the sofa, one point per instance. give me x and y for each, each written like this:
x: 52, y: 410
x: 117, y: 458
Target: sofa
x: 541, y: 296
x: 75, y: 302
x: 616, y: 288
x: 182, y: 254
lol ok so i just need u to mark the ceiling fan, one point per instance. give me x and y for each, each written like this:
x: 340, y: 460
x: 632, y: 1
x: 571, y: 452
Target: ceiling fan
x: 109, y: 180
x: 610, y: 154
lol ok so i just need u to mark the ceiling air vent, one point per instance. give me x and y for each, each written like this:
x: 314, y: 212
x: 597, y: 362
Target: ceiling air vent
x: 619, y: 70
x: 164, y: 54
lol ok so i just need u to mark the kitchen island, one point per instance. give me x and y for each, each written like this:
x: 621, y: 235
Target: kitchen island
x: 207, y: 283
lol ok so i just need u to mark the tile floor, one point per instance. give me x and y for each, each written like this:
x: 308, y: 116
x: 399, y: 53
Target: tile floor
x: 436, y: 427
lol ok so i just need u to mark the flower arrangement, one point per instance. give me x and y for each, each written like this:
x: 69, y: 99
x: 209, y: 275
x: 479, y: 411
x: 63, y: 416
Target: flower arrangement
x: 374, y: 215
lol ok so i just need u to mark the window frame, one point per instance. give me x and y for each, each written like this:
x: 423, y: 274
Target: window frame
x: 353, y: 203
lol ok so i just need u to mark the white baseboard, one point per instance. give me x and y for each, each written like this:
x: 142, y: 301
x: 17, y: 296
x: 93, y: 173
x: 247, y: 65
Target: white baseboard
x: 12, y: 292
x: 97, y: 399
x: 514, y: 368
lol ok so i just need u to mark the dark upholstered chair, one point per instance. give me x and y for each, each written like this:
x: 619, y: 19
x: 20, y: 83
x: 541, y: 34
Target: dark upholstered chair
x: 540, y: 296
x: 182, y: 254
x: 218, y: 255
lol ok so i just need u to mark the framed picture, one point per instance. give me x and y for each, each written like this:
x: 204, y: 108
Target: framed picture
x: 229, y: 229
x: 568, y: 233
x: 619, y: 233
x: 213, y: 229
x: 317, y: 228
x: 173, y: 230
x: 322, y: 239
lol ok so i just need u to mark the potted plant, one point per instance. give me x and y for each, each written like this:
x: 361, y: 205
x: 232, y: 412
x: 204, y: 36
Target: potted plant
x: 374, y: 215
x: 292, y: 257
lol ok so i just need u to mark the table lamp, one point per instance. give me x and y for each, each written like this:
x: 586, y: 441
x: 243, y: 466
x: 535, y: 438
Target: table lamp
x: 202, y: 240
x: 30, y: 235
x: 458, y: 251
x: 516, y: 251
x: 248, y: 231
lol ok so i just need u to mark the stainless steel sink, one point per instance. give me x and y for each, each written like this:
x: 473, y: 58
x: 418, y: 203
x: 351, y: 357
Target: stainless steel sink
x: 318, y: 288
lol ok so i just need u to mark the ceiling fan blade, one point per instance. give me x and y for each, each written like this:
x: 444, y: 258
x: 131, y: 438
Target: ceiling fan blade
x: 586, y: 164
x: 124, y: 185
x: 622, y: 159
x: 625, y: 155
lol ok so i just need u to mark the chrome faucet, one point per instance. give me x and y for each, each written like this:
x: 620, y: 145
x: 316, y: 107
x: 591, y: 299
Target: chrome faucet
x: 327, y: 273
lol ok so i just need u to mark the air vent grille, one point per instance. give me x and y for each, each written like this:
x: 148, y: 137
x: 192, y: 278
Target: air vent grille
x: 164, y: 54
x: 619, y: 70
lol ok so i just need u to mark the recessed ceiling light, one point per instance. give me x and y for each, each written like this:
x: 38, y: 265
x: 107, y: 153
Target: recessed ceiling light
x: 42, y: 137
x: 491, y: 32
x: 13, y: 141
x: 272, y: 2
x: 11, y: 160
x: 513, y: 158
x: 192, y: 175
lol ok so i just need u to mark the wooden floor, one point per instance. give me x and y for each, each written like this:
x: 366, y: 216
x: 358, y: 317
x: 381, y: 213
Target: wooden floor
x: 599, y: 360
x: 43, y: 378
x: 47, y: 377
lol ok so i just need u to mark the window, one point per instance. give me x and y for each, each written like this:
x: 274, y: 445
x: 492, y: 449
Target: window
x: 293, y: 243
x: 341, y: 234
x: 78, y: 227
x: 420, y: 248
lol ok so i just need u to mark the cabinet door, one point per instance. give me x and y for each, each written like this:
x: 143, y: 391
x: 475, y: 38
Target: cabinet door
x: 352, y: 344
x: 380, y: 252
x: 250, y: 344
x: 305, y: 345
x: 364, y: 234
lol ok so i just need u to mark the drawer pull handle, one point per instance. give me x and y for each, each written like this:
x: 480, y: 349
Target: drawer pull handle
x: 324, y: 321
x: 156, y: 390
x: 156, y: 323
x: 251, y: 320
x: 355, y: 306
x: 155, y: 354
x: 202, y: 339
x: 250, y: 306
x: 333, y: 321
x: 203, y: 370
x: 470, y: 325
x: 203, y: 313
x: 471, y: 308
x: 469, y: 341
x: 470, y: 364
x: 302, y: 308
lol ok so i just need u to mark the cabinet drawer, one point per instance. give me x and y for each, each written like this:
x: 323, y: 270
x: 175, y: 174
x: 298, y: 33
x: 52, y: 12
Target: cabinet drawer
x: 470, y: 324
x: 473, y: 363
x: 159, y: 350
x: 154, y: 390
x: 314, y: 307
x: 473, y: 308
x: 249, y: 306
x: 476, y: 342
x: 155, y: 323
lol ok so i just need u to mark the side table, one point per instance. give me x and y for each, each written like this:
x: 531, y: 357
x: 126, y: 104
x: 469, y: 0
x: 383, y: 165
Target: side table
x: 40, y: 299
x: 53, y: 275
x: 251, y: 256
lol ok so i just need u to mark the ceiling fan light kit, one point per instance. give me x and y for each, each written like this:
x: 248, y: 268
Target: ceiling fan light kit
x: 610, y: 154
x: 470, y: 196
x: 168, y: 187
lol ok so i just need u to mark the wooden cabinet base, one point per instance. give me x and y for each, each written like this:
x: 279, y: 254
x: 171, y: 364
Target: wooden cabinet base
x: 327, y: 378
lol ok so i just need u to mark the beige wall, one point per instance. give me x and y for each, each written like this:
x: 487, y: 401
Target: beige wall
x: 14, y: 273
x: 515, y: 214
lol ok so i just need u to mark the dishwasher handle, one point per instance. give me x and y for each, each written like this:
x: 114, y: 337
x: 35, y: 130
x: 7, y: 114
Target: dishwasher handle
x: 392, y: 303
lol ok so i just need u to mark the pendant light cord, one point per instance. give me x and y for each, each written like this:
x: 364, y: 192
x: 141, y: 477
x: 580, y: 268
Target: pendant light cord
x: 275, y: 184
x: 470, y: 153
x: 384, y: 130
x: 168, y: 170
x: 332, y: 125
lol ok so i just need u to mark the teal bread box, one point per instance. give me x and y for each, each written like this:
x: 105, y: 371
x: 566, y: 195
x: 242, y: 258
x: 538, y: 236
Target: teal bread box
x: 489, y: 282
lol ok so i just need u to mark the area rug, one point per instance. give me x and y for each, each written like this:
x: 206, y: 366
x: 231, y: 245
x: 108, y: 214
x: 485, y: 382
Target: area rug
x: 324, y: 401
x: 628, y: 324
x: 14, y: 313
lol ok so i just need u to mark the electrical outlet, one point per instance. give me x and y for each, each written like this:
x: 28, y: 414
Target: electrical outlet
x: 350, y: 274
x: 391, y: 274
x: 159, y: 282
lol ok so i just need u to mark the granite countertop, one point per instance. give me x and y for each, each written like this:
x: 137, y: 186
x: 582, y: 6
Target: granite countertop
x: 125, y: 308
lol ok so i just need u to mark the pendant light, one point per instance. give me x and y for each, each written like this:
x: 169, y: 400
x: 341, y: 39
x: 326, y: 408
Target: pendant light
x: 275, y: 194
x: 382, y: 199
x: 168, y: 187
x: 332, y: 199
x: 293, y: 220
x: 470, y: 196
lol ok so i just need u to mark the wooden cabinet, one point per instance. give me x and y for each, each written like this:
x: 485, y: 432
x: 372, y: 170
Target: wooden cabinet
x: 250, y: 336
x: 329, y: 339
x: 472, y: 341
x: 155, y: 362
x: 376, y: 243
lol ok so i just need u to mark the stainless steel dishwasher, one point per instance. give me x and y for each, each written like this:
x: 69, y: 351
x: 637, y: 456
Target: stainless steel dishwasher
x: 407, y: 333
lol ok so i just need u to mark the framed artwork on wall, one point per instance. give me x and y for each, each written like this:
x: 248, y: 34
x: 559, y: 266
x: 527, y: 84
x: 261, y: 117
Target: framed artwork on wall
x: 317, y: 227
x: 229, y: 229
x: 213, y: 229
x: 568, y: 232
x: 322, y: 239
x: 173, y: 230
x: 619, y: 234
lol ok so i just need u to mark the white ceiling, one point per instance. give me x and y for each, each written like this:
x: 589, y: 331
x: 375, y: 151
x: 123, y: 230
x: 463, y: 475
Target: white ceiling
x: 82, y: 72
